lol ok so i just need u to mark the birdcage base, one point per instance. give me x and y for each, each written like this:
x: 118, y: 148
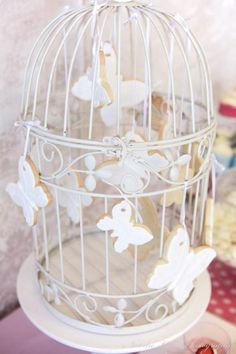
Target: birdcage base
x: 86, y: 304
x: 33, y: 305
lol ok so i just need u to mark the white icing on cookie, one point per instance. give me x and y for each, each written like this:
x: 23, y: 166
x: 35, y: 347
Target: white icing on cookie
x: 84, y: 87
x: 131, y: 174
x: 132, y: 92
x: 176, y: 196
x: 180, y: 265
x: 73, y: 201
x: 124, y: 228
x: 29, y: 193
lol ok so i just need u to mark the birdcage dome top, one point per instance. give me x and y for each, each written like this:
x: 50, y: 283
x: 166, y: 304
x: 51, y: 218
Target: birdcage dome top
x: 106, y: 69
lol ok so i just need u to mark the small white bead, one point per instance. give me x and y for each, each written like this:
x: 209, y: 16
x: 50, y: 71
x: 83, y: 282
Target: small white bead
x: 90, y: 183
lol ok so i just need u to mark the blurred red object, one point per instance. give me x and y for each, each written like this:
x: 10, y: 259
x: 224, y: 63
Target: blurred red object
x: 227, y: 110
x: 227, y: 106
x: 223, y: 299
x: 207, y: 349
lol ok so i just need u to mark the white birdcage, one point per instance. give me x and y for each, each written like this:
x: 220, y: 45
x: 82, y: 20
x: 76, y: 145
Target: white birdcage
x: 119, y: 126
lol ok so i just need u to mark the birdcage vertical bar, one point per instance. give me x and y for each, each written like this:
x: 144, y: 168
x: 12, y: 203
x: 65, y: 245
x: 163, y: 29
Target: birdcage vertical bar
x: 26, y: 88
x: 183, y: 203
x: 27, y: 141
x: 118, y: 83
x: 171, y: 87
x: 47, y: 49
x: 68, y: 86
x: 59, y: 235
x: 81, y: 225
x: 43, y: 213
x: 95, y: 73
x: 170, y: 69
x: 134, y: 40
x: 107, y: 252
x: 208, y: 85
x: 53, y: 68
x: 166, y: 20
x: 148, y: 68
x: 185, y: 187
x: 35, y: 240
x: 171, y: 95
x: 190, y: 201
x: 135, y: 250
x: 195, y: 210
x: 65, y: 55
x: 45, y: 240
x: 202, y: 92
x: 174, y: 214
x: 145, y: 103
x: 163, y: 215
x: 205, y: 67
x: 193, y: 166
x: 184, y: 88
x: 187, y: 66
x: 55, y: 62
x: 189, y: 152
x: 203, y: 201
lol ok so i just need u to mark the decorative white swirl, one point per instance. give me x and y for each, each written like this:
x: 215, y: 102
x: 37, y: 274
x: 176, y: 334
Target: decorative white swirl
x: 204, y: 151
x: 121, y: 312
x: 50, y: 156
x: 155, y: 310
x: 132, y: 167
x: 156, y: 313
x: 88, y: 303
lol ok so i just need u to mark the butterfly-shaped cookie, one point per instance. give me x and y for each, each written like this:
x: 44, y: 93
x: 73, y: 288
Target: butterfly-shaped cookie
x: 180, y: 265
x: 29, y: 193
x: 132, y: 173
x: 132, y: 92
x: 161, y: 117
x: 176, y: 196
x: 103, y: 91
x: 71, y: 200
x: 124, y: 228
x: 149, y: 214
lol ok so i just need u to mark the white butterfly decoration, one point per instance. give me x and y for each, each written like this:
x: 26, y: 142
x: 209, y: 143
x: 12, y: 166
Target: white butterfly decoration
x: 162, y: 118
x: 73, y: 201
x: 29, y: 193
x: 180, y: 265
x: 90, y: 180
x: 124, y: 228
x: 178, y: 163
x: 84, y: 87
x: 132, y: 92
x: 132, y: 173
x: 92, y: 174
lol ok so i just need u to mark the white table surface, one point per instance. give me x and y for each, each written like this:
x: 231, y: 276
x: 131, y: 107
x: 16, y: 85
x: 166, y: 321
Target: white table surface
x: 177, y: 346
x: 19, y: 336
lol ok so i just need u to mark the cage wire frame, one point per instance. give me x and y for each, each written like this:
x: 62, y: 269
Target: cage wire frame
x: 87, y: 288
